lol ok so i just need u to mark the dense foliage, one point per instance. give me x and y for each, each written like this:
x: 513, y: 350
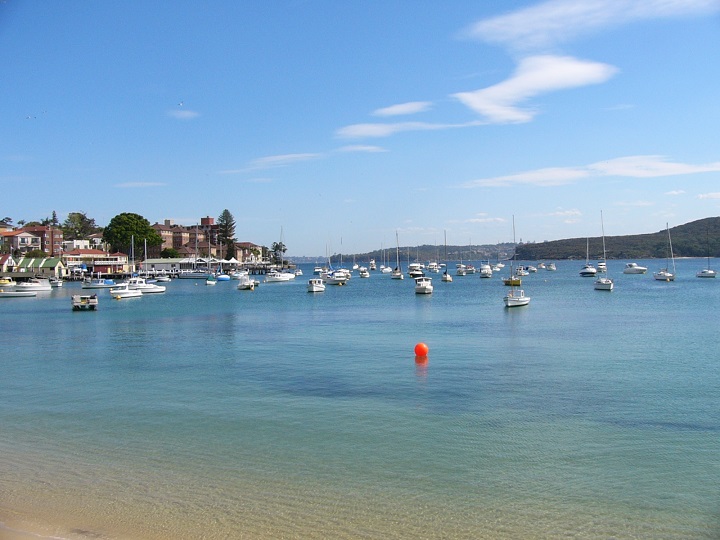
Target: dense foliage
x: 78, y: 226
x: 126, y: 228
x: 226, y: 233
x: 695, y: 239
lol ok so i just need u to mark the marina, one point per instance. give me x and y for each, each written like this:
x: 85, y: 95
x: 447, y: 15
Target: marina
x: 307, y: 415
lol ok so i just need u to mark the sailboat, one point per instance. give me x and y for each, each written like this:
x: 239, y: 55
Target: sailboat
x: 604, y: 283
x: 446, y: 277
x: 516, y: 297
x: 397, y: 272
x: 664, y: 274
x: 588, y: 270
x: 707, y: 272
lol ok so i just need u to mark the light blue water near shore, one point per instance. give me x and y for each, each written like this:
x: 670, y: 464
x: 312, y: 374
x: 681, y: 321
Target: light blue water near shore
x: 217, y: 413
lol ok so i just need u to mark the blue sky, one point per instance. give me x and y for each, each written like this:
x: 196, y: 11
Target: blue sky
x: 343, y: 122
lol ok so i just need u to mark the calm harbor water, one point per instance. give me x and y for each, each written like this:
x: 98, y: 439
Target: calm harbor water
x: 208, y: 412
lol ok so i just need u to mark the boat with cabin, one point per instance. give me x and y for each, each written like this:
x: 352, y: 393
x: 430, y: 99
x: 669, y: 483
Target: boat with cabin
x: 84, y: 302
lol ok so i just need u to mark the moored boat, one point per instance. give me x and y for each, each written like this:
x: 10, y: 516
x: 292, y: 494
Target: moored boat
x: 423, y: 285
x: 315, y: 285
x: 634, y: 268
x: 84, y: 302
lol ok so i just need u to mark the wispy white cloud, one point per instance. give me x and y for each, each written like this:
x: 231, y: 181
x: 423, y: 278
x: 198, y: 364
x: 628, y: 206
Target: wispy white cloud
x: 675, y: 192
x: 534, y: 75
x: 412, y: 107
x: 140, y: 184
x: 485, y: 220
x: 715, y: 195
x: 556, y: 21
x: 355, y: 131
x: 634, y: 204
x: 361, y: 148
x: 565, y: 213
x: 183, y: 114
x: 630, y: 166
x: 270, y: 162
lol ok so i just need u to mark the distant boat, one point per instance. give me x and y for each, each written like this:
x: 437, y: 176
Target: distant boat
x: 516, y: 297
x: 245, y: 283
x: 397, y: 272
x: 84, y: 302
x: 446, y: 277
x: 315, y: 285
x: 144, y: 286
x: 423, y: 285
x: 634, y: 268
x: 98, y: 283
x: 603, y: 283
x: 551, y: 267
x: 34, y: 284
x: 56, y: 282
x: 588, y: 270
x: 364, y: 272
x: 707, y: 272
x: 123, y: 291
x: 16, y: 294
x: 664, y: 274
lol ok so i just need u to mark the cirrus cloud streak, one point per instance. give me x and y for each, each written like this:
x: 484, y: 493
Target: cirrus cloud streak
x: 629, y: 166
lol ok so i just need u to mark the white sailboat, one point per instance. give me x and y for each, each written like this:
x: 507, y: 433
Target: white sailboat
x: 397, y: 272
x: 604, y: 283
x: 588, y: 270
x: 446, y: 277
x: 664, y: 274
x: 707, y: 272
x: 516, y: 297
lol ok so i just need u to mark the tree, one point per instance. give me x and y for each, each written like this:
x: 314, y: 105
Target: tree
x: 277, y: 249
x: 126, y: 227
x: 226, y: 233
x: 169, y: 253
x: 78, y: 226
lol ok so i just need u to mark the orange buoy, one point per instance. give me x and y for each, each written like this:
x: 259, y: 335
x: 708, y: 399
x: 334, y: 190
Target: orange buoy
x: 421, y: 349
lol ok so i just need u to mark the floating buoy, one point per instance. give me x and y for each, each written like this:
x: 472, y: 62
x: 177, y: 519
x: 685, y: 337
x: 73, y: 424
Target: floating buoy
x: 421, y: 349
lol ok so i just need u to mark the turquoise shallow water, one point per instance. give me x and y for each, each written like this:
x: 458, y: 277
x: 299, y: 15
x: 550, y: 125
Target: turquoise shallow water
x: 209, y: 412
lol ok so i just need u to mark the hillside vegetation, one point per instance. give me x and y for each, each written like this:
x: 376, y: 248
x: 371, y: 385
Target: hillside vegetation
x: 689, y: 240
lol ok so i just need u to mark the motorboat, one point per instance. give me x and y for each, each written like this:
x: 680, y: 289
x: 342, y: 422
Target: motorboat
x: 34, y: 284
x: 601, y: 266
x: 664, y: 275
x: 245, y: 283
x: 363, y: 272
x: 163, y: 279
x: 588, y: 270
x: 485, y: 270
x: 56, y: 282
x: 124, y: 291
x: 84, y: 302
x: 521, y: 271
x: 433, y: 267
x: 315, y: 285
x: 415, y: 270
x: 298, y: 272
x: 706, y: 272
x: 460, y: 269
x: 143, y: 285
x: 16, y: 294
x: 335, y: 277
x: 98, y: 283
x: 512, y: 281
x: 634, y: 268
x: 423, y: 285
x: 551, y: 267
x: 516, y: 298
x: 373, y: 265
x: 276, y: 276
x: 7, y: 281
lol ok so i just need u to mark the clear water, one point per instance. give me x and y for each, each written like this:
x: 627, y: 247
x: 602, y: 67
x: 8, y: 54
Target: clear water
x: 209, y: 412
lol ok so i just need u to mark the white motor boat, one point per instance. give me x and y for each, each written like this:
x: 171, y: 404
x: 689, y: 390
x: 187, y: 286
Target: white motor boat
x: 588, y: 270
x: 550, y: 267
x: 706, y: 272
x: 16, y: 294
x: 99, y: 283
x: 56, y: 282
x: 516, y: 298
x: 275, y: 276
x: 315, y: 285
x: 144, y: 286
x: 34, y: 284
x: 423, y: 285
x: 364, y: 272
x: 124, y: 291
x: 84, y: 302
x: 634, y: 268
x: 335, y: 278
x: 245, y: 283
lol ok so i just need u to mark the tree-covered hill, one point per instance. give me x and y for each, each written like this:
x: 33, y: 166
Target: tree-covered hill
x: 689, y: 240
